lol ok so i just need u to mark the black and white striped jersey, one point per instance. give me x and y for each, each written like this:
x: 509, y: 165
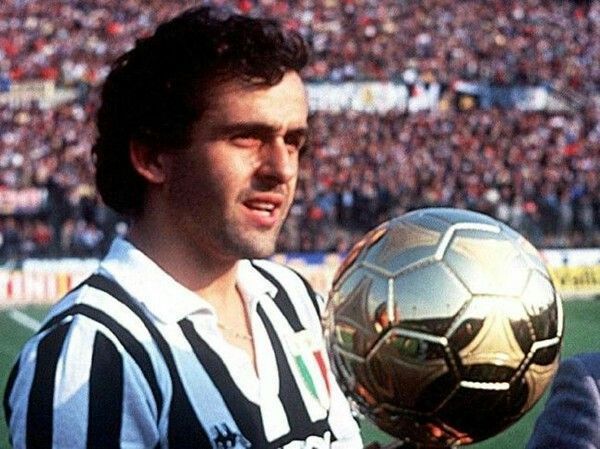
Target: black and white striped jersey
x: 133, y: 359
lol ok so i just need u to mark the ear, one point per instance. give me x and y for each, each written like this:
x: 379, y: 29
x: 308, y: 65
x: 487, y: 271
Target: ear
x: 147, y: 162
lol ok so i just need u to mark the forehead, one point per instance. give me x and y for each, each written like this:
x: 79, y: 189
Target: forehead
x: 285, y: 104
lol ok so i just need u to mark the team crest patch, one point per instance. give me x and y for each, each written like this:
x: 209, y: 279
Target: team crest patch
x: 310, y: 364
x: 225, y: 438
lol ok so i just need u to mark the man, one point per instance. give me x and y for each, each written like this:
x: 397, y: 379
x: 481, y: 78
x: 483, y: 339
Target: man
x: 183, y: 338
x: 571, y: 417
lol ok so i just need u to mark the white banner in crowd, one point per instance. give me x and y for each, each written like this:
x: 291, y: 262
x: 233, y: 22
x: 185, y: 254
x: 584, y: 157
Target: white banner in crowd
x: 525, y: 98
x: 372, y: 97
x: 22, y: 201
x: 576, y: 274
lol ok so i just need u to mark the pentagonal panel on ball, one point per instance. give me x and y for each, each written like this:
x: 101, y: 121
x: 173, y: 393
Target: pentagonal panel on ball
x: 349, y: 339
x: 487, y: 263
x: 423, y: 219
x: 455, y: 216
x: 482, y: 413
x: 538, y: 377
x: 358, y: 297
x: 542, y: 305
x: 428, y: 298
x: 403, y: 363
x: 346, y: 367
x: 348, y: 284
x: 531, y: 254
x: 403, y: 245
x: 493, y: 341
x: 358, y: 252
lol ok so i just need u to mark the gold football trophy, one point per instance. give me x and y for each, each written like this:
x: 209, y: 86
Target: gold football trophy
x: 443, y: 327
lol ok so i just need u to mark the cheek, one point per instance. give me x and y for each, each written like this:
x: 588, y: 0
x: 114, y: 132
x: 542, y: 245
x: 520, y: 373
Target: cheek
x: 191, y: 184
x: 232, y: 177
x: 224, y: 178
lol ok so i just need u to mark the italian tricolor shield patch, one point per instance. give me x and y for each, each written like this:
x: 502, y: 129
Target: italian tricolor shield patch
x: 309, y: 358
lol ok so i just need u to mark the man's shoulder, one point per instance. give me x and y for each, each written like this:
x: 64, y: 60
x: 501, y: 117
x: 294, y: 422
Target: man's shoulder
x: 81, y: 294
x: 88, y: 307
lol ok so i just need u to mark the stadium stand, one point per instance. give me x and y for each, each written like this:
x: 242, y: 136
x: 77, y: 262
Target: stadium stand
x: 534, y: 168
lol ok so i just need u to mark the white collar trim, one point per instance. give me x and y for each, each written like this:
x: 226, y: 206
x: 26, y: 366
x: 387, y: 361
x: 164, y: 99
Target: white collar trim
x: 161, y: 294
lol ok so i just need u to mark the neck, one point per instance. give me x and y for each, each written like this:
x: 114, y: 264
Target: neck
x: 209, y: 277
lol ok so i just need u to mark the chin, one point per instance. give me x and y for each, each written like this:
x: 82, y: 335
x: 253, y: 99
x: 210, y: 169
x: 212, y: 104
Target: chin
x: 253, y: 250
x: 263, y: 252
x: 248, y: 243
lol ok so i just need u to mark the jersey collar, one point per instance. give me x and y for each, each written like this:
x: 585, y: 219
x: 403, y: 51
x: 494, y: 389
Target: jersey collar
x: 164, y: 297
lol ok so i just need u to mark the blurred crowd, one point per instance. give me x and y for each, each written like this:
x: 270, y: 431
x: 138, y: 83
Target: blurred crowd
x: 536, y: 171
x: 533, y: 171
x: 498, y: 41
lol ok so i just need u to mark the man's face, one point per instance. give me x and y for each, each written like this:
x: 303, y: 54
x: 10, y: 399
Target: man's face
x: 230, y: 190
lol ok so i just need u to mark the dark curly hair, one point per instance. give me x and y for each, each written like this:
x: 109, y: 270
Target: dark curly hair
x: 156, y: 91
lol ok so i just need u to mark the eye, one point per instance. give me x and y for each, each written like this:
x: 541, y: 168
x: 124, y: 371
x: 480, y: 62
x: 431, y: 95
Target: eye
x: 246, y: 140
x: 296, y: 140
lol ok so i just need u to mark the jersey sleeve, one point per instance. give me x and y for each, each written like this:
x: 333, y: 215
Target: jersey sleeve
x: 76, y: 384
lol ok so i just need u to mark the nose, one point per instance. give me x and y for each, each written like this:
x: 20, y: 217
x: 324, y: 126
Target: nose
x: 279, y: 162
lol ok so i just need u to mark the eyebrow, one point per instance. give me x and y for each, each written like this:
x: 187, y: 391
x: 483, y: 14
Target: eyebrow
x: 258, y: 128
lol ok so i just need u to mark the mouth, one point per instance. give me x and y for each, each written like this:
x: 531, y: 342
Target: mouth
x: 263, y: 209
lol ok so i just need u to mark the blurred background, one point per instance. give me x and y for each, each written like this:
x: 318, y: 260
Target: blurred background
x: 492, y: 106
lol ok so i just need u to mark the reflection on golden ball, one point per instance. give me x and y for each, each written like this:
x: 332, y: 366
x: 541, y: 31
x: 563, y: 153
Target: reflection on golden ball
x: 443, y: 326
